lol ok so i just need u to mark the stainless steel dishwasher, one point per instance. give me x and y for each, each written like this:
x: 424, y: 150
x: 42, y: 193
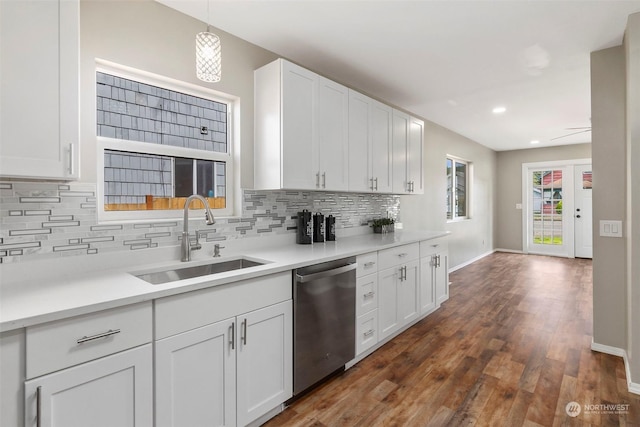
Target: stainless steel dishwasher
x: 324, y: 318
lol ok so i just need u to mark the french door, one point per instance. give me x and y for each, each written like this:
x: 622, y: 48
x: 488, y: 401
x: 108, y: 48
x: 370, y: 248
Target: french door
x: 557, y: 208
x: 546, y: 214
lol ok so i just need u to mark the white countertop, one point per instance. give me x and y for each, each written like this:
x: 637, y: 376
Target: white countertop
x: 75, y: 291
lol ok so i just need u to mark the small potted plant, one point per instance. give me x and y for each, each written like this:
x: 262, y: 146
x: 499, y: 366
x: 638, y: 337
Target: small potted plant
x: 383, y: 225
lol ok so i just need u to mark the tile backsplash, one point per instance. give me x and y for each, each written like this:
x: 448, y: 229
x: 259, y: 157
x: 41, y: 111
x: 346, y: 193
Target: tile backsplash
x: 41, y: 220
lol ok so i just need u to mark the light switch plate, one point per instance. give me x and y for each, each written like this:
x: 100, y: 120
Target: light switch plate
x: 610, y: 228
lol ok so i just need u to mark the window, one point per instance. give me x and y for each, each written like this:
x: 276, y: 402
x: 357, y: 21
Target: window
x: 160, y: 141
x: 457, y: 188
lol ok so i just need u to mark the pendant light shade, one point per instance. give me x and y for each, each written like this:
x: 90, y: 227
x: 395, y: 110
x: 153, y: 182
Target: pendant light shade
x: 208, y: 57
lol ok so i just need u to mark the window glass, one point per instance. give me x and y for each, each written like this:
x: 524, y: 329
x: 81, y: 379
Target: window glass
x: 461, y: 189
x: 457, y: 188
x: 167, y: 145
x: 449, y: 188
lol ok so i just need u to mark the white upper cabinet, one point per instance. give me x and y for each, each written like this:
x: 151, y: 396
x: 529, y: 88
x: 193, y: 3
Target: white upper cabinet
x: 408, y: 135
x: 415, y: 156
x: 332, y: 149
x: 301, y: 129
x: 312, y: 133
x: 369, y: 144
x: 39, y: 89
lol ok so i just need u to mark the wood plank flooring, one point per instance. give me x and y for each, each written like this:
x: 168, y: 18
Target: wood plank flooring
x: 511, y: 347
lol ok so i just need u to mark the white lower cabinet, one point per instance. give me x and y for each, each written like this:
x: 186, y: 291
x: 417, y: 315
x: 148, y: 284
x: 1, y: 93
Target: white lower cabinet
x: 115, y: 390
x: 427, y: 285
x: 229, y: 371
x: 399, y: 297
x: 195, y: 377
x: 434, y: 283
x: 264, y: 360
x: 91, y: 370
x: 441, y: 275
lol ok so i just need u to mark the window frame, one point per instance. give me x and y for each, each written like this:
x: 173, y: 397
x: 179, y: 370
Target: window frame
x: 106, y: 143
x: 451, y: 193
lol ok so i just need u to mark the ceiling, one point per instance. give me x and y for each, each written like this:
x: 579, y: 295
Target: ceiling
x: 450, y: 62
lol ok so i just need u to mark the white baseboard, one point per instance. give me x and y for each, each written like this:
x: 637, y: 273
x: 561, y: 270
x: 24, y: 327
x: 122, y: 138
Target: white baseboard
x: 511, y: 251
x: 471, y: 261
x: 615, y: 351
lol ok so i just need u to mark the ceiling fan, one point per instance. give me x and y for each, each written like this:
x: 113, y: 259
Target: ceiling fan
x: 576, y: 131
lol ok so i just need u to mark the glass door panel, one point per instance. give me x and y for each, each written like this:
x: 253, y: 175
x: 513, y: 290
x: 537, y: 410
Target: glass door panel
x: 545, y: 216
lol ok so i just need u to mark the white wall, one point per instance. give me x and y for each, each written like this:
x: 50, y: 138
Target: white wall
x: 609, y: 194
x: 632, y: 44
x: 469, y: 238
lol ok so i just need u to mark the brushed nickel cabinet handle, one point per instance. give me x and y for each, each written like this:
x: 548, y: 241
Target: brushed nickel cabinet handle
x: 232, y: 338
x: 324, y: 180
x: 71, y: 156
x: 317, y: 179
x: 369, y: 333
x: 369, y: 264
x: 369, y: 294
x: 376, y: 181
x: 244, y: 332
x: 98, y: 336
x: 39, y: 406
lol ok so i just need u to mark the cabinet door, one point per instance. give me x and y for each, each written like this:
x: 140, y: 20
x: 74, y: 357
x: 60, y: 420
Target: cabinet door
x: 195, y: 377
x: 360, y: 178
x: 332, y: 149
x: 381, y: 147
x: 408, y: 293
x: 39, y: 89
x: 299, y: 111
x: 427, y: 285
x: 415, y: 156
x: 442, y: 277
x: 400, y: 142
x: 113, y: 391
x: 388, y: 316
x: 264, y: 357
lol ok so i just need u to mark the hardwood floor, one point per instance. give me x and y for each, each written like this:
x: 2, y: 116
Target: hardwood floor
x: 511, y: 347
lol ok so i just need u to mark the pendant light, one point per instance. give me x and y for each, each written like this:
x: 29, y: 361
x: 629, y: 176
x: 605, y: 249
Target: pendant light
x: 208, y: 55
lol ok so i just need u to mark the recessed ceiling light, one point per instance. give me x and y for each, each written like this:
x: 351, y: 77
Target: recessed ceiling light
x: 499, y: 110
x: 535, y: 141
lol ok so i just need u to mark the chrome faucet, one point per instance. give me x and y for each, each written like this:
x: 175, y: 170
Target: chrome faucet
x: 187, y: 247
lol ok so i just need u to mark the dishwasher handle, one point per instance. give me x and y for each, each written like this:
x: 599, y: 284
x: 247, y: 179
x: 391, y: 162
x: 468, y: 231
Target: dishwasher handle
x: 302, y: 278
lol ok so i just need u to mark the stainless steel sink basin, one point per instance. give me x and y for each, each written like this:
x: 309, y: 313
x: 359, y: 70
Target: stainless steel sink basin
x: 174, y: 274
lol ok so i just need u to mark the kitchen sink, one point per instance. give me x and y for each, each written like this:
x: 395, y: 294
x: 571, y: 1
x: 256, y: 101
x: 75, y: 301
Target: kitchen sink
x: 174, y: 274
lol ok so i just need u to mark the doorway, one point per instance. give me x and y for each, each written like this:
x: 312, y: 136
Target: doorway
x: 557, y: 208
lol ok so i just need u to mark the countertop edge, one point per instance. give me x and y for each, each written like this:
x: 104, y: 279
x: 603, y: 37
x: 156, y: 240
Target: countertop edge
x: 138, y: 291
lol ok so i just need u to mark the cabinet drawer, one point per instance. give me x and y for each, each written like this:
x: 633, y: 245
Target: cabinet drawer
x: 431, y: 247
x: 63, y: 343
x: 366, y: 294
x: 398, y: 255
x: 366, y: 331
x: 367, y: 264
x: 190, y: 310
